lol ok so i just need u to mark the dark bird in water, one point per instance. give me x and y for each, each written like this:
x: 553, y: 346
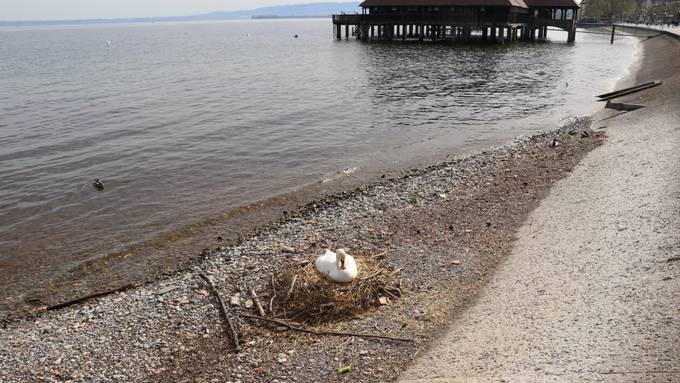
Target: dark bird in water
x: 98, y: 184
x: 296, y: 36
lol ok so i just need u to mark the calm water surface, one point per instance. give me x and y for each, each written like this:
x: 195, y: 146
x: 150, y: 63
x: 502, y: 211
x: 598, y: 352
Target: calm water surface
x: 185, y: 120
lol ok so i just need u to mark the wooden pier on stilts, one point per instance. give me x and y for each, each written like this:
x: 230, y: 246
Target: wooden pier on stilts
x: 502, y: 21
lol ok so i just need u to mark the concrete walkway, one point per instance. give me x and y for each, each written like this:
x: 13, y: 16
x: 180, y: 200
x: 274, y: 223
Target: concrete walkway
x: 591, y: 292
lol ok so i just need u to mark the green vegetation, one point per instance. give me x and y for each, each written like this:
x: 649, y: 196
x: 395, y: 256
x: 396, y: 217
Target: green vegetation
x: 609, y: 9
x: 661, y: 12
x: 612, y: 10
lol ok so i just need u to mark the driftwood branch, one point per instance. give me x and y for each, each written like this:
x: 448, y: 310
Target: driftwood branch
x: 253, y: 295
x: 87, y: 298
x: 231, y: 332
x: 329, y: 333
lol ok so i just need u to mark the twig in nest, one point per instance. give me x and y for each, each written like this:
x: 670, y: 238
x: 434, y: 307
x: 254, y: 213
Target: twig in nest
x: 223, y: 310
x: 386, y: 291
x: 253, y: 294
x: 271, y: 300
x: 319, y: 333
x: 372, y: 275
x: 292, y: 286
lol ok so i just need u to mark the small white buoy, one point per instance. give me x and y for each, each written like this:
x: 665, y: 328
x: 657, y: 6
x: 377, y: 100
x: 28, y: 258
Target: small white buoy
x: 338, y: 266
x: 108, y: 43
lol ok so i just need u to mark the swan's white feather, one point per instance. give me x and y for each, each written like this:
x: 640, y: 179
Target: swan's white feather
x: 328, y: 265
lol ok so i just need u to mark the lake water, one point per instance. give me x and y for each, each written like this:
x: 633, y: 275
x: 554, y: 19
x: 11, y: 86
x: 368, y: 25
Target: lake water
x: 185, y: 121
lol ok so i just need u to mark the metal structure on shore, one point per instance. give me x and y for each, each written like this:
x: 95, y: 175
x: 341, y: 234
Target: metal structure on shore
x: 490, y: 20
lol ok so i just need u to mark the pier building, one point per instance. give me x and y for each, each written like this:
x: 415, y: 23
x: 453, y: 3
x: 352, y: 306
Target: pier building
x: 490, y: 20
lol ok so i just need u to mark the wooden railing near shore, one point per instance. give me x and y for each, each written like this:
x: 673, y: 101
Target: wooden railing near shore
x: 433, y: 19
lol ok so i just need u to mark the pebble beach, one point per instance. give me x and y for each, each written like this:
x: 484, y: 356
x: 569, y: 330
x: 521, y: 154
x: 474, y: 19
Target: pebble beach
x: 444, y: 228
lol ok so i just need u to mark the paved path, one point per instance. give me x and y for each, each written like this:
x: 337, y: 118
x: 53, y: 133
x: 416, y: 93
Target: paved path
x: 588, y: 293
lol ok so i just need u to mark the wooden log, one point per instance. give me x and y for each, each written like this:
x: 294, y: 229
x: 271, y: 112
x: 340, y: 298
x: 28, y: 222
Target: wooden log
x: 87, y: 298
x: 627, y: 91
x: 231, y: 332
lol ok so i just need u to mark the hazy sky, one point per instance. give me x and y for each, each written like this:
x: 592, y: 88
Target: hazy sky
x: 92, y: 9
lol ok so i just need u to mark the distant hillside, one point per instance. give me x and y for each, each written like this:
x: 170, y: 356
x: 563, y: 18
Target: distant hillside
x: 282, y: 11
x: 313, y: 9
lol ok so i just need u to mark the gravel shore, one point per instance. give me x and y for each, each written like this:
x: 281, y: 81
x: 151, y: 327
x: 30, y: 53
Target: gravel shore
x: 445, y: 227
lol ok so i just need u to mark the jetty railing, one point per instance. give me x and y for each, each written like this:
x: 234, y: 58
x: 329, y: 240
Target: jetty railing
x: 430, y: 19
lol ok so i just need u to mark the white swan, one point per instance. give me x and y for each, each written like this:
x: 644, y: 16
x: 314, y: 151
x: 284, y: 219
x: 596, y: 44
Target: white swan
x: 339, y: 266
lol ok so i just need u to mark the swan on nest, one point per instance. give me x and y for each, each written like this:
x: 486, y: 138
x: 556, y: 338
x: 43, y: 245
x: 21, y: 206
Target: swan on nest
x: 338, y: 266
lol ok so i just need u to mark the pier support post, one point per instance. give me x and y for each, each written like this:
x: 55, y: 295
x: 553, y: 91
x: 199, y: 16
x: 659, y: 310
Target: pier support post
x: 347, y: 31
x: 572, y: 35
x: 501, y: 38
x: 613, y: 31
x: 485, y: 33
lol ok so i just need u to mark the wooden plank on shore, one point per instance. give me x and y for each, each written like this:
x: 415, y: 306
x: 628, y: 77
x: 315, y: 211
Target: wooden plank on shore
x: 87, y: 298
x: 627, y: 91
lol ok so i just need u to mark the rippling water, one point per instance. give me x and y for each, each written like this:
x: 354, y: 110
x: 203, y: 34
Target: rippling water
x: 185, y: 120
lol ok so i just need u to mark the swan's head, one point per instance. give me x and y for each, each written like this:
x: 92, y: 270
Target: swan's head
x: 341, y: 256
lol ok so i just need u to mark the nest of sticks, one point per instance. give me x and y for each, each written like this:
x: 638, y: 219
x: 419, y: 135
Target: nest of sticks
x: 302, y: 294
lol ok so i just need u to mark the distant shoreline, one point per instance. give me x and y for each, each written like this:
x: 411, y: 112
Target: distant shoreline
x: 275, y: 17
x: 306, y: 11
